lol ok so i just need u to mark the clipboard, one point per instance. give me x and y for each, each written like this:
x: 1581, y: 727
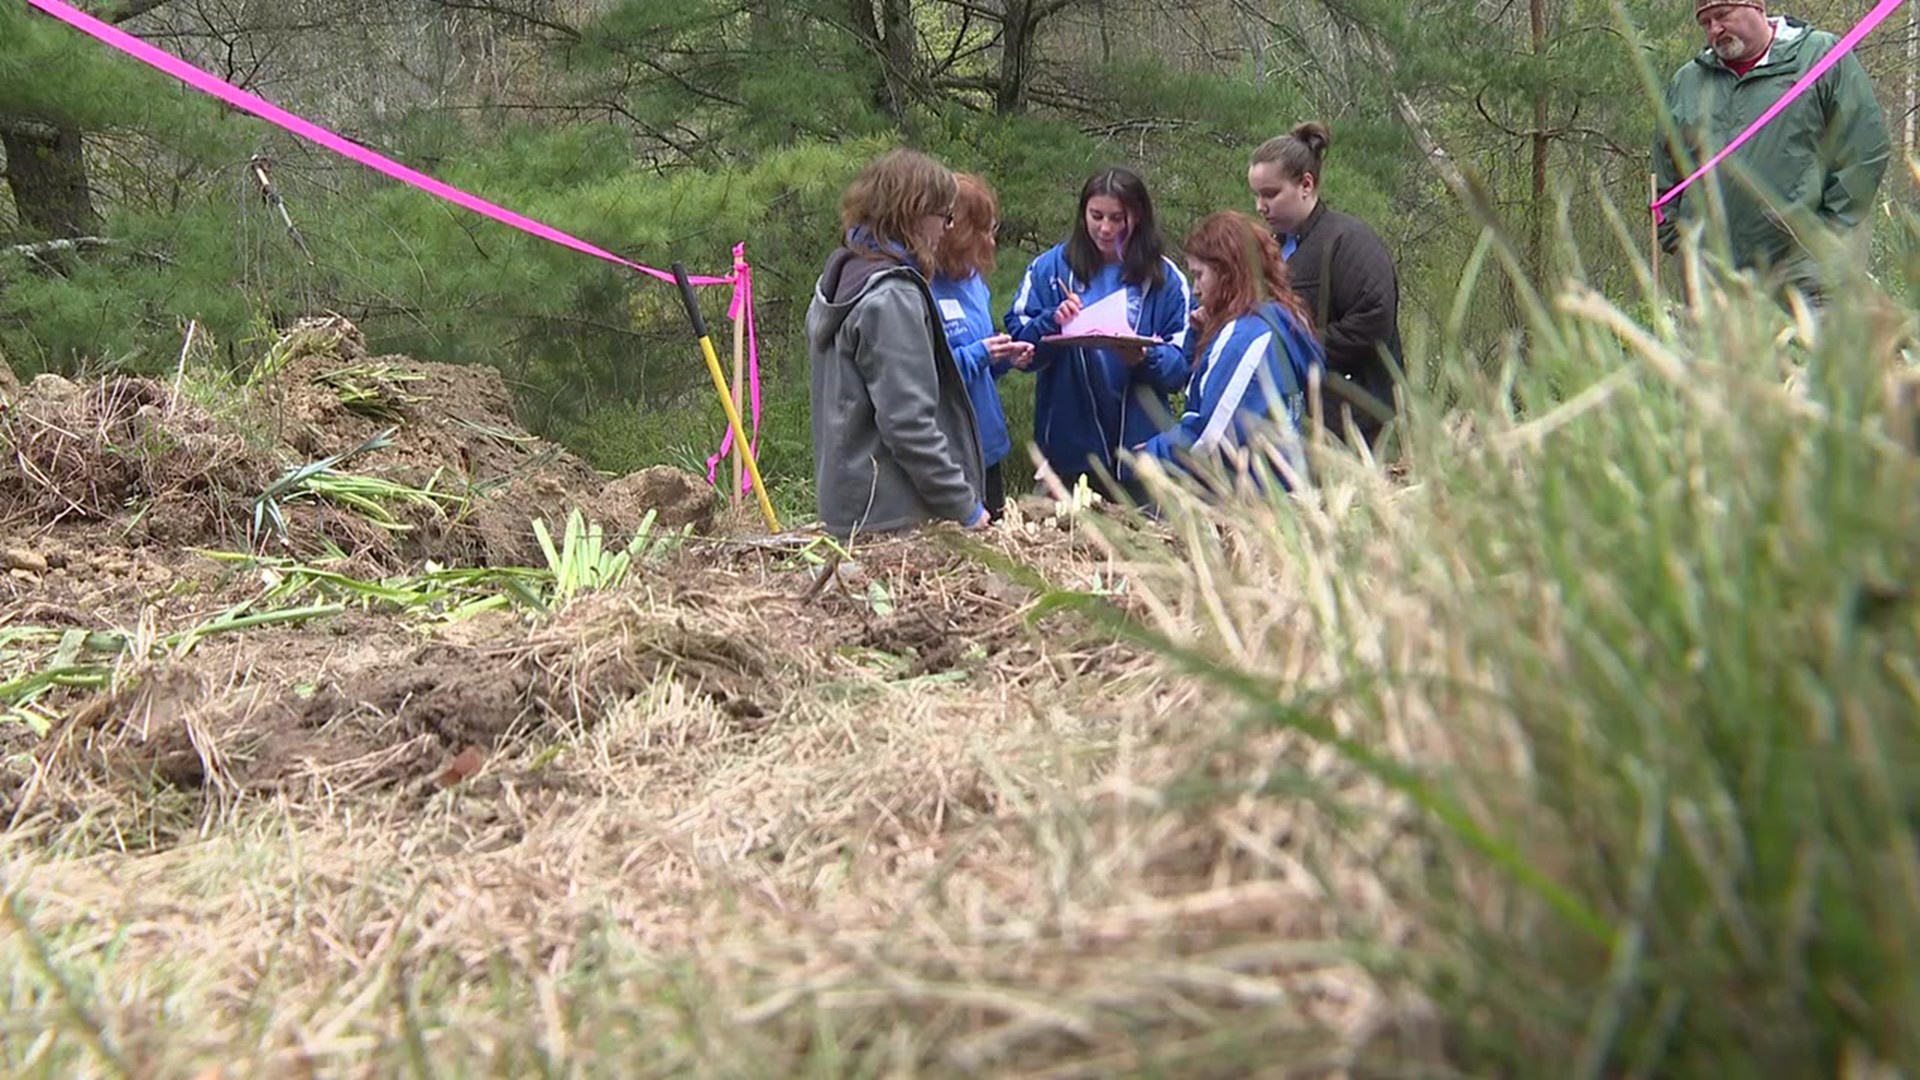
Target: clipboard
x: 1101, y: 325
x: 1100, y: 340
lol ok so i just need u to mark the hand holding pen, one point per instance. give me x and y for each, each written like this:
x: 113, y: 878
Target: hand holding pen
x: 1069, y: 307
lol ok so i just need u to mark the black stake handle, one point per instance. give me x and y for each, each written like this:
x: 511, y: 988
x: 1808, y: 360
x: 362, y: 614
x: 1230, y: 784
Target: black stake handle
x: 687, y: 298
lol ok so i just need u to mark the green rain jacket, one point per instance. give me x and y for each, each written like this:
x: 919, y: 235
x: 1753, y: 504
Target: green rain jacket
x: 1820, y: 160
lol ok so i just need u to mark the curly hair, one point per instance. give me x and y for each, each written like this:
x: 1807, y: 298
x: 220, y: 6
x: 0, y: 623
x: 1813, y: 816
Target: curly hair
x: 893, y: 192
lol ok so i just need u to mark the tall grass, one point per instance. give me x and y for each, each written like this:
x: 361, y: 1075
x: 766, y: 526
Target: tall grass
x: 1588, y: 751
x: 1640, y: 645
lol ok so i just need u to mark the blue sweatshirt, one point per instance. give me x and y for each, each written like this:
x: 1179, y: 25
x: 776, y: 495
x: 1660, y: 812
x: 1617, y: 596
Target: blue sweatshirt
x: 966, y: 311
x: 1089, y: 403
x: 1238, y: 381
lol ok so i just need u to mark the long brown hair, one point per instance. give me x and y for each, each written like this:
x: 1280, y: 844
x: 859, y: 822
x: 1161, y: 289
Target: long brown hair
x: 1140, y: 260
x: 968, y: 246
x: 892, y: 193
x: 1246, y: 259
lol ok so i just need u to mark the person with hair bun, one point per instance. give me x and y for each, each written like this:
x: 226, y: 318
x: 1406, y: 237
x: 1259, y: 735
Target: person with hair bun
x: 959, y: 284
x: 895, y: 442
x: 1341, y: 270
x: 1252, y: 352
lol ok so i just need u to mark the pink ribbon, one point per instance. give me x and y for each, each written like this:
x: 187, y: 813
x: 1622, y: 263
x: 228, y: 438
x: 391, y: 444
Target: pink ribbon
x: 1840, y: 49
x: 240, y: 99
x: 741, y: 279
x: 742, y: 306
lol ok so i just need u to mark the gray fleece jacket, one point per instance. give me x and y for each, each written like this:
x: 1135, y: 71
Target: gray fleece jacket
x: 895, y: 441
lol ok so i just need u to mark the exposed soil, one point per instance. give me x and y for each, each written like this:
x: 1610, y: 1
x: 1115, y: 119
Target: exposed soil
x: 132, y: 518
x: 160, y: 469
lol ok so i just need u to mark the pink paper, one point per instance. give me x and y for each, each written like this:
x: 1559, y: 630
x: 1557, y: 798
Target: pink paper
x: 1106, y: 317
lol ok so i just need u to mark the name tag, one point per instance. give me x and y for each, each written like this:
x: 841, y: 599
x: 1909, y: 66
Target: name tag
x: 951, y: 311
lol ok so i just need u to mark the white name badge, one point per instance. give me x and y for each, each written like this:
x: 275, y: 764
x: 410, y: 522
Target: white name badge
x: 950, y: 309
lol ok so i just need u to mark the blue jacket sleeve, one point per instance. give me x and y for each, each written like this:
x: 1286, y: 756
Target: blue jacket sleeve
x: 1179, y: 437
x: 972, y: 358
x: 1167, y: 367
x: 1184, y: 433
x: 1030, y: 316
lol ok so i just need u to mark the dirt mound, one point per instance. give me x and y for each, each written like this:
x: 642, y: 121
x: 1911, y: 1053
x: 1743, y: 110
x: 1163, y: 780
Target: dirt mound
x: 157, y: 461
x: 678, y: 500
x: 125, y: 448
x: 364, y: 700
x: 156, y: 641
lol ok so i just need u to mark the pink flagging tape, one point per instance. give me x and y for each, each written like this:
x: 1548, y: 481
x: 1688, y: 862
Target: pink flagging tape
x: 1840, y: 49
x: 742, y: 306
x: 240, y: 99
x: 741, y: 278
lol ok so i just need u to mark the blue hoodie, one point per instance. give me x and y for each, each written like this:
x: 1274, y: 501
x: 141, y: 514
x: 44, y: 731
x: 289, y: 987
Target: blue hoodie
x: 1237, y: 381
x: 1089, y: 402
x: 966, y: 311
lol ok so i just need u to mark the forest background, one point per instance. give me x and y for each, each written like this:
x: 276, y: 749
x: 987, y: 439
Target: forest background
x: 671, y: 131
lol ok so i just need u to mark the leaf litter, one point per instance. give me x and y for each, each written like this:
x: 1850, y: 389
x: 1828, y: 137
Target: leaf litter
x: 833, y: 780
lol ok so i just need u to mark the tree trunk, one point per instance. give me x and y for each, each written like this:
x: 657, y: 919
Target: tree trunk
x: 1913, y: 72
x: 888, y: 38
x: 867, y: 29
x: 762, y: 30
x: 1537, y: 10
x: 1016, y: 59
x: 1255, y: 32
x: 47, y: 176
x: 897, y: 54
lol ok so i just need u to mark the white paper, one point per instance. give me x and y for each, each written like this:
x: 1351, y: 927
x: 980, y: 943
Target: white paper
x: 1107, y: 315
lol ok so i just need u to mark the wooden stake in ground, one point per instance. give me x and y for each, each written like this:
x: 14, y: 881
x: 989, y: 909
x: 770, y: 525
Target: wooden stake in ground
x: 739, y: 377
x: 1653, y: 231
x: 720, y: 387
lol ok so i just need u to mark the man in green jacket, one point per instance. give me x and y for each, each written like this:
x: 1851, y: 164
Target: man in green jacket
x: 1815, y: 166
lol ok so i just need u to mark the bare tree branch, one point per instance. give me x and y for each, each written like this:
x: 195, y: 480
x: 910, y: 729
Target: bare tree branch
x: 133, y: 9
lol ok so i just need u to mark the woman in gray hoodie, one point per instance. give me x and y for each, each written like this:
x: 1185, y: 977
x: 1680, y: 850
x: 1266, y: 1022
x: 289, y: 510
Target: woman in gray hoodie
x: 895, y: 441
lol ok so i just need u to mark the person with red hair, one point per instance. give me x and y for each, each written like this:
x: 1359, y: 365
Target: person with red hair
x: 959, y: 286
x: 1252, y: 351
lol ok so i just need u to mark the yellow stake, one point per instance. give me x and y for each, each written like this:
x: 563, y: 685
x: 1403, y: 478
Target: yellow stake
x: 726, y: 396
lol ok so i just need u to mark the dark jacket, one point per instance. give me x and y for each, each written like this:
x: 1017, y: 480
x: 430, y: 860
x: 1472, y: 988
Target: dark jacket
x: 895, y: 442
x: 1343, y: 272
x: 1822, y: 158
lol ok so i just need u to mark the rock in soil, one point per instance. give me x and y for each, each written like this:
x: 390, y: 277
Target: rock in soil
x: 22, y: 559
